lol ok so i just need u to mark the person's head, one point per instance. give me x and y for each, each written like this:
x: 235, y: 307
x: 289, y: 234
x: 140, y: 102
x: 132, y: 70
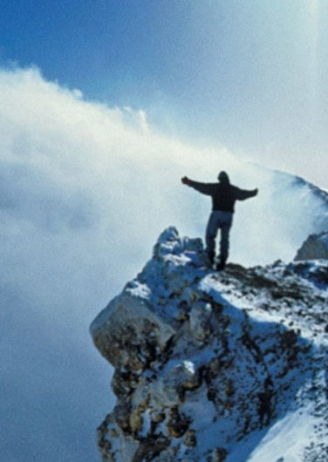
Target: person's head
x: 223, y: 178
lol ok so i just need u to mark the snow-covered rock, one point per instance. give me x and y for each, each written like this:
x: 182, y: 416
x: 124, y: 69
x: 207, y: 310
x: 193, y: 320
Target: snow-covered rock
x: 314, y: 248
x: 214, y: 367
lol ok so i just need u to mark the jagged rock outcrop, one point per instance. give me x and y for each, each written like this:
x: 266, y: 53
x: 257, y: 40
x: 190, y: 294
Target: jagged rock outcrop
x: 315, y: 247
x: 214, y: 367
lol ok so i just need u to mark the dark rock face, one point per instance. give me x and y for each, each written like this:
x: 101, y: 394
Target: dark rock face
x: 206, y: 364
x: 315, y: 247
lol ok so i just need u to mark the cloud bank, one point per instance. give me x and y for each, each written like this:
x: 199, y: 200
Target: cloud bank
x: 84, y: 192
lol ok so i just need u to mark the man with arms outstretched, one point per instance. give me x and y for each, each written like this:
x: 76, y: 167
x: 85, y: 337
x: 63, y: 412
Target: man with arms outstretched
x: 224, y: 195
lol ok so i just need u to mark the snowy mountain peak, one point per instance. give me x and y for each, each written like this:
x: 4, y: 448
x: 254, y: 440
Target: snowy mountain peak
x: 216, y: 366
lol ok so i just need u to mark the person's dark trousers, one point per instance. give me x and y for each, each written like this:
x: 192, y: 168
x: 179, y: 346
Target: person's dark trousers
x: 218, y: 220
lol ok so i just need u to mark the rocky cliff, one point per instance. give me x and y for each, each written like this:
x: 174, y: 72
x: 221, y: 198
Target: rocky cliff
x: 213, y: 366
x: 314, y: 247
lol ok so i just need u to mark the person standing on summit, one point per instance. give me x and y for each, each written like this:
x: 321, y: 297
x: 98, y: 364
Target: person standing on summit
x: 224, y: 195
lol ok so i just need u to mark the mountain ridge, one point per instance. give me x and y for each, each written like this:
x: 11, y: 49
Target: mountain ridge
x: 213, y: 366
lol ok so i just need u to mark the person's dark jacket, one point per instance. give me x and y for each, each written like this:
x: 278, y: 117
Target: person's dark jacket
x: 224, y: 195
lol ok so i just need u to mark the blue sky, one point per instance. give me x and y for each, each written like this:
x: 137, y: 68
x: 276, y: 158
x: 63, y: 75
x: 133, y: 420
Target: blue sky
x: 247, y: 75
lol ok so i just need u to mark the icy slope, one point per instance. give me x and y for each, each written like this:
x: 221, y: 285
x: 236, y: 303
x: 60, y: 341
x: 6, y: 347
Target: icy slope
x: 216, y: 366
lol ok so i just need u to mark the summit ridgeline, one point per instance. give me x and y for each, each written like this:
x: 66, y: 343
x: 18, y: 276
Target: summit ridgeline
x: 213, y: 367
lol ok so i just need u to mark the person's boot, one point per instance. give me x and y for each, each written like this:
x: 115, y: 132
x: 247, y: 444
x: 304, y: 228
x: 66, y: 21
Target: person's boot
x: 211, y: 258
x: 221, y: 264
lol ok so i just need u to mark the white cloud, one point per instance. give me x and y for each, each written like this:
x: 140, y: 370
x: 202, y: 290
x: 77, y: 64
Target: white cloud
x: 86, y: 190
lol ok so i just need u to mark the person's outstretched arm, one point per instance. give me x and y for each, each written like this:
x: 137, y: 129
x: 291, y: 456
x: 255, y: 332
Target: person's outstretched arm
x: 204, y: 188
x: 242, y: 194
